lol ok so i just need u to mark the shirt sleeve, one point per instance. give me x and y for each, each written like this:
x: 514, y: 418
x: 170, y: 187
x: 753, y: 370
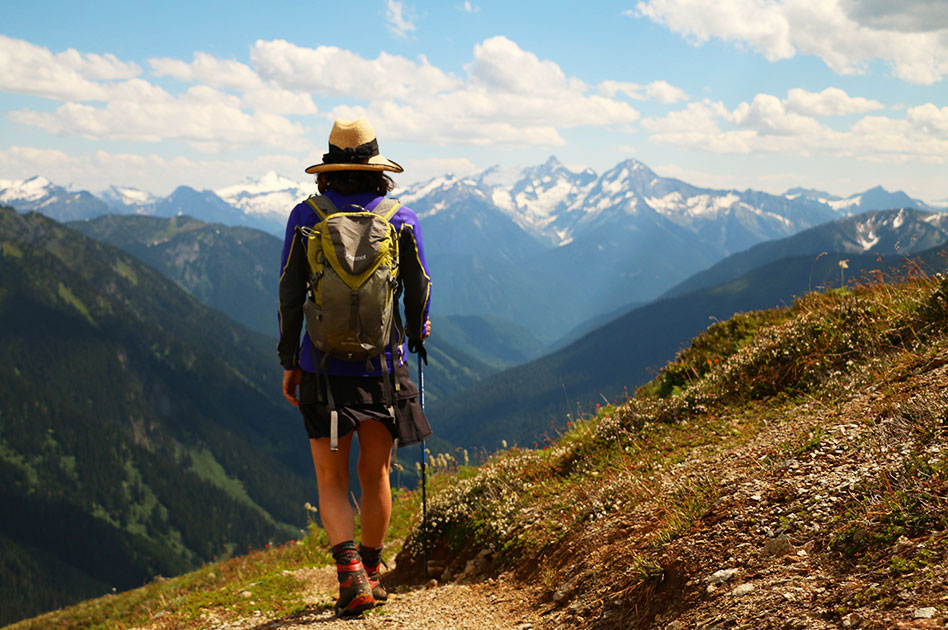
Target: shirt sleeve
x: 414, y: 274
x: 293, y: 277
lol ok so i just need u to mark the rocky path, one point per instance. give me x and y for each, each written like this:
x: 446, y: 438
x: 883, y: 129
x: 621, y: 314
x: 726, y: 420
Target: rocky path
x: 493, y: 604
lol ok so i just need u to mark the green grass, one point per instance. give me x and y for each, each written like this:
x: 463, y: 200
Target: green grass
x: 218, y: 589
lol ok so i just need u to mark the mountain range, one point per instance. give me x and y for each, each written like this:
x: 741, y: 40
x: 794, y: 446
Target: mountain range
x: 495, y: 240
x: 526, y: 402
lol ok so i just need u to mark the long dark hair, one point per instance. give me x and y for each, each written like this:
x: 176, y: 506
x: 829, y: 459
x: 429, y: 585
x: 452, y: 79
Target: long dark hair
x: 353, y: 182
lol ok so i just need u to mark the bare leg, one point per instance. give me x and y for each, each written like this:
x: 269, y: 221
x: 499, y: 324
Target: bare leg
x: 375, y: 451
x: 332, y: 480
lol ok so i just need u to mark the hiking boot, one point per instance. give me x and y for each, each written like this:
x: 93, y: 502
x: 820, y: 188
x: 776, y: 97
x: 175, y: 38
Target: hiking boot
x: 355, y: 592
x: 379, y: 594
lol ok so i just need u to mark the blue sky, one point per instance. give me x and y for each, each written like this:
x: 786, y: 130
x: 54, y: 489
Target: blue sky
x: 838, y: 95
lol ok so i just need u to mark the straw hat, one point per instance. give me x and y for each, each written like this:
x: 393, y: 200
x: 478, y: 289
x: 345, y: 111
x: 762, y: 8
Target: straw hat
x: 353, y: 147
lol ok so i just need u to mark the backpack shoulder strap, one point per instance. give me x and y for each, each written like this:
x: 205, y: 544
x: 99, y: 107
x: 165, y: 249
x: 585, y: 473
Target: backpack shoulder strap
x: 322, y: 206
x: 387, y: 208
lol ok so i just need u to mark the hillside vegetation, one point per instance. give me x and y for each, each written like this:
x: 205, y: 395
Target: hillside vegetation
x: 141, y: 433
x: 786, y: 470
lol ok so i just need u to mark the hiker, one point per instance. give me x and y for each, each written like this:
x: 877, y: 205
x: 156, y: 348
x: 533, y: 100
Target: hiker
x: 341, y: 394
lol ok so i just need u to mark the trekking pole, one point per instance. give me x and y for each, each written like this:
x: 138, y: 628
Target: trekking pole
x: 424, y: 470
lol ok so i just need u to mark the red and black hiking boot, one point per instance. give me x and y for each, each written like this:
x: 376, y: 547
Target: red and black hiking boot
x: 379, y: 594
x: 372, y: 560
x: 355, y: 591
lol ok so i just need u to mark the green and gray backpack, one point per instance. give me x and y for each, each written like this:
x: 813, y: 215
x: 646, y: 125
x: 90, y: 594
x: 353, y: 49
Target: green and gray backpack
x: 353, y: 261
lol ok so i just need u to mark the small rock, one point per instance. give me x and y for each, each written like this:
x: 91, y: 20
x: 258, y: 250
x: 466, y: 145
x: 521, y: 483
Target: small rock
x: 719, y: 577
x: 852, y: 620
x: 246, y: 594
x: 742, y: 589
x: 432, y: 583
x: 711, y: 588
x: 778, y: 546
x: 925, y: 613
x: 802, y: 553
x: 525, y: 626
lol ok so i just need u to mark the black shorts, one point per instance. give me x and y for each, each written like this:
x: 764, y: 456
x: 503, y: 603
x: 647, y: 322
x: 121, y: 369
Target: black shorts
x: 358, y: 399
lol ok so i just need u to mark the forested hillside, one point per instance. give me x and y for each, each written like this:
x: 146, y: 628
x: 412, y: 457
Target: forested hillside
x: 141, y: 434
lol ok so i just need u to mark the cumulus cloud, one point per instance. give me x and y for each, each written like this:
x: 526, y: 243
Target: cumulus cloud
x: 29, y: 69
x: 220, y: 73
x: 829, y: 102
x: 509, y: 95
x: 846, y: 34
x: 660, y: 91
x: 332, y: 71
x: 399, y: 19
x: 500, y: 64
x: 228, y: 74
x: 770, y: 125
x: 203, y: 116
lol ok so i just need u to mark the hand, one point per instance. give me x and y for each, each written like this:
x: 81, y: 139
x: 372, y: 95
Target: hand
x: 427, y: 331
x: 291, y: 381
x: 418, y: 347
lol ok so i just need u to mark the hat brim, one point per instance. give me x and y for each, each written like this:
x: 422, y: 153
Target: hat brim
x: 375, y: 163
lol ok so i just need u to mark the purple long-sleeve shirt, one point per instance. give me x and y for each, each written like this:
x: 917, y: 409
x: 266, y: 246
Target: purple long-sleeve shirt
x: 414, y: 280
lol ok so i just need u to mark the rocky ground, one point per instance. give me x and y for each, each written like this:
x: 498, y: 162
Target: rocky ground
x: 762, y: 556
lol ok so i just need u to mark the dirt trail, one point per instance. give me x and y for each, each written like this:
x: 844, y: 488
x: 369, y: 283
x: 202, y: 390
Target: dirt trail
x: 493, y: 604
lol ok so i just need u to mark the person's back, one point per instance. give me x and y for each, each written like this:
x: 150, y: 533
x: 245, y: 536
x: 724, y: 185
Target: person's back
x: 372, y: 396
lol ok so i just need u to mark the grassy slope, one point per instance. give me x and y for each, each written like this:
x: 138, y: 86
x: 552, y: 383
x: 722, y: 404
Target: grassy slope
x: 668, y: 487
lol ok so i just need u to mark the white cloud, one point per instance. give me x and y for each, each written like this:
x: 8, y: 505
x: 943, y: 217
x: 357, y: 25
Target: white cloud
x: 829, y: 102
x: 141, y: 112
x: 228, y: 74
x: 467, y: 7
x: 399, y: 19
x: 220, y: 73
x: 660, y: 91
x: 509, y: 96
x: 500, y: 64
x: 333, y: 71
x: 29, y: 69
x: 780, y: 29
x: 768, y: 125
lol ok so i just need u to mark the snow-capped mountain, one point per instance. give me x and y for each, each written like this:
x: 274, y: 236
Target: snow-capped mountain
x: 898, y: 232
x: 128, y: 200
x: 877, y: 198
x: 270, y: 197
x: 539, y: 199
x: 39, y: 194
x: 513, y: 242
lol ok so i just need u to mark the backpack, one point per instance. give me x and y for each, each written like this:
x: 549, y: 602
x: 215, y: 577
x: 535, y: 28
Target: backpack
x: 353, y: 262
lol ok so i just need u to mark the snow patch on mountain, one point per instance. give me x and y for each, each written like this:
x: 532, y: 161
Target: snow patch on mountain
x: 26, y: 190
x: 272, y: 196
x: 843, y: 205
x: 125, y: 197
